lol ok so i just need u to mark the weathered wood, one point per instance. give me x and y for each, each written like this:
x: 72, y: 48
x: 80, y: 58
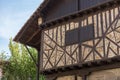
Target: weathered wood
x: 88, y: 66
x: 96, y: 46
x: 35, y: 33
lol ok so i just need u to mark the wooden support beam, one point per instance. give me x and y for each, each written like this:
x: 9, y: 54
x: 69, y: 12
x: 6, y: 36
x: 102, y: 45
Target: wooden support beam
x: 84, y: 77
x: 31, y: 55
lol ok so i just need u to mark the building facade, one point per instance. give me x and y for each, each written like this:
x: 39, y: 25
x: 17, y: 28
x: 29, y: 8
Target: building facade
x: 75, y: 39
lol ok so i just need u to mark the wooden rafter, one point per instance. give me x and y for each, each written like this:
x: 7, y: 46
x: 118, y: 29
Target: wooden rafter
x: 35, y: 33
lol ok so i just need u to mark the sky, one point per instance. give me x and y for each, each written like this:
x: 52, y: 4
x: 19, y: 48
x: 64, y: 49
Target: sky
x: 13, y: 15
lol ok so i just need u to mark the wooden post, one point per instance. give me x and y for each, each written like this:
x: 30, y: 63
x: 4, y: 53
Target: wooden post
x: 76, y: 77
x: 38, y: 57
x: 84, y: 77
x: 39, y: 61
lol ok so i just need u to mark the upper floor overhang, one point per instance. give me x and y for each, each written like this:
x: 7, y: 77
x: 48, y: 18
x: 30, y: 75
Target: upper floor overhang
x: 30, y: 33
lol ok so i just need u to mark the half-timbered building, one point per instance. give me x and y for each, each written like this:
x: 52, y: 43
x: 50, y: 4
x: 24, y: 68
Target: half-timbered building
x: 75, y: 39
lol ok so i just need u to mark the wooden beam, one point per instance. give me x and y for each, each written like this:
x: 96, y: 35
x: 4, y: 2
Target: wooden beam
x: 102, y: 7
x: 113, y: 62
x: 31, y: 55
x: 35, y: 33
x: 25, y: 27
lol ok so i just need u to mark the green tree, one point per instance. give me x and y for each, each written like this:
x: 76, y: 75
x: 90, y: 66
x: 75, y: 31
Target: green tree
x: 21, y: 66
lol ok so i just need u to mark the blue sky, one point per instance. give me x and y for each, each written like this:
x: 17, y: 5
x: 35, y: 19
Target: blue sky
x: 13, y: 15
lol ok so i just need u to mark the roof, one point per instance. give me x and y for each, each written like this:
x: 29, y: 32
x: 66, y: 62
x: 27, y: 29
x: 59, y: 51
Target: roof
x: 30, y: 33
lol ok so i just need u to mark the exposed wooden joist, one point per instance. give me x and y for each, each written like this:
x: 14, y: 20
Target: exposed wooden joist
x: 81, y: 13
x: 35, y: 33
x: 98, y: 63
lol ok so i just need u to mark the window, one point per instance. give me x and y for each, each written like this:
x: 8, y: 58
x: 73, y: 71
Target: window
x: 71, y: 37
x: 79, y: 35
x: 86, y: 33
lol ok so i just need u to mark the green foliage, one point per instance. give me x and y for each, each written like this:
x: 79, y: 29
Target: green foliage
x: 3, y: 56
x: 21, y: 66
x: 42, y: 77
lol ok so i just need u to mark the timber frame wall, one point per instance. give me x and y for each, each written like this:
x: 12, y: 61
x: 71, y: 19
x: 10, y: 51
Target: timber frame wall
x: 97, y: 53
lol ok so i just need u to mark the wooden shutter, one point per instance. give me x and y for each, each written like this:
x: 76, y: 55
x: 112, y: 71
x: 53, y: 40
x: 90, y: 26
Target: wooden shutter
x: 79, y: 35
x: 71, y: 37
x: 86, y: 33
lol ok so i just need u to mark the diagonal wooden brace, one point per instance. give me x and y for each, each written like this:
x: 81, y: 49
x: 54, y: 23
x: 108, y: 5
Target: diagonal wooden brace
x: 31, y: 55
